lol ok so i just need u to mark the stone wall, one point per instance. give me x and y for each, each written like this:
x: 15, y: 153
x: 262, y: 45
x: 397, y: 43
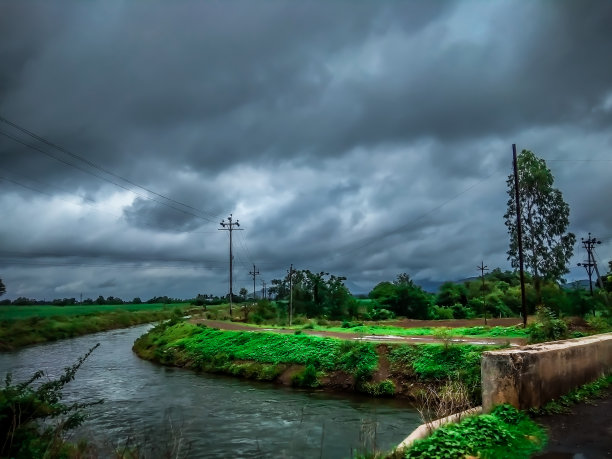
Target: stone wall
x: 533, y: 375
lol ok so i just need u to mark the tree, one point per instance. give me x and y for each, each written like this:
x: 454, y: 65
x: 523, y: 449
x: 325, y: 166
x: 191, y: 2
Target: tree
x: 547, y: 246
x: 243, y: 293
x: 2, y: 288
x: 403, y: 297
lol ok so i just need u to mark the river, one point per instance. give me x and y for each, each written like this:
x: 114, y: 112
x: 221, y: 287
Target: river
x: 172, y: 412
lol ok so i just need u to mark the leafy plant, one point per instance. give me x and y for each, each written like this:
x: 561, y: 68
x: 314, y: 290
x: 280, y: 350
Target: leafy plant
x: 546, y: 326
x: 25, y: 412
x: 505, y: 433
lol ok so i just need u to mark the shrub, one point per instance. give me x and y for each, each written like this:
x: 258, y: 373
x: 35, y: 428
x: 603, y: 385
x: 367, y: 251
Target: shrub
x: 441, y: 313
x: 546, y: 327
x: 25, y: 414
x: 306, y: 378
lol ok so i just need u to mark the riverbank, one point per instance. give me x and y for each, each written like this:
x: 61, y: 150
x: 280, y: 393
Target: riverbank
x: 17, y: 333
x: 301, y: 360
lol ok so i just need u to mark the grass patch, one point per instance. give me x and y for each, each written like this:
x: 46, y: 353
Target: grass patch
x: 41, y: 311
x: 36, y: 329
x: 209, y: 349
x: 583, y: 394
x: 505, y: 433
x: 357, y: 327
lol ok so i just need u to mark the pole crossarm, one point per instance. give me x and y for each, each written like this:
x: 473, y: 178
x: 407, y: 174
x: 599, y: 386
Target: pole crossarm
x: 230, y: 226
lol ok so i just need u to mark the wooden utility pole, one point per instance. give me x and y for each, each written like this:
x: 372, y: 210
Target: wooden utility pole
x: 482, y: 268
x: 230, y: 226
x: 254, y: 273
x: 519, y: 232
x: 290, y: 294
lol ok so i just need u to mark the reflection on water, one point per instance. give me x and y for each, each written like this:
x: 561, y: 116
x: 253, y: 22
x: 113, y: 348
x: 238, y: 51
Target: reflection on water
x: 163, y: 409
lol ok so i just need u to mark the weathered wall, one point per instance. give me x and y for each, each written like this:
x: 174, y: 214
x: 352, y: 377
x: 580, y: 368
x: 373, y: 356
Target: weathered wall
x: 532, y: 375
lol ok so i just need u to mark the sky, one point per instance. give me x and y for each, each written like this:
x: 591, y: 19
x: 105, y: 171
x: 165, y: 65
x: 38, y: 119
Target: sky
x: 364, y: 139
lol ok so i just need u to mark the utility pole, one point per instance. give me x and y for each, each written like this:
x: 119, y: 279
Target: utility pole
x: 290, y: 294
x: 230, y: 226
x: 263, y: 291
x: 254, y: 273
x: 519, y: 231
x: 482, y: 268
x: 591, y: 265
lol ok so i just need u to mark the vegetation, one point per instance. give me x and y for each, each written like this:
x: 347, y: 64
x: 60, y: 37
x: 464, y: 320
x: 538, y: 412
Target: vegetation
x: 403, y: 298
x: 33, y: 420
x: 545, y: 217
x: 310, y: 361
x: 37, y: 328
x: 505, y: 433
x: 583, y: 394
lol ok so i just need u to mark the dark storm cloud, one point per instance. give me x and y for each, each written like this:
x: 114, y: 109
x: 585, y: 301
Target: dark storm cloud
x: 368, y: 138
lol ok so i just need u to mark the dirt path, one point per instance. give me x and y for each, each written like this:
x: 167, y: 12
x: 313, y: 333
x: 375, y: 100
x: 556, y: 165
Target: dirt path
x: 585, y: 433
x: 360, y: 336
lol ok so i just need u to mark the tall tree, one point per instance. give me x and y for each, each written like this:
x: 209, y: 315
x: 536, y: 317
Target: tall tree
x: 2, y: 288
x: 547, y: 245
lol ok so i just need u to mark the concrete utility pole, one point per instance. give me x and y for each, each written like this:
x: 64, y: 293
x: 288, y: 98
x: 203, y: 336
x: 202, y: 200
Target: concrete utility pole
x: 254, y: 273
x: 290, y: 294
x: 519, y: 231
x: 230, y: 226
x: 591, y: 265
x: 482, y: 268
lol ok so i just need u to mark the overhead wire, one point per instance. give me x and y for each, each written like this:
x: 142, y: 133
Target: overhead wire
x: 100, y: 168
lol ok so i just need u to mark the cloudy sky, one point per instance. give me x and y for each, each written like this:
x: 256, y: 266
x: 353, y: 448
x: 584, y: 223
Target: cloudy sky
x: 364, y: 138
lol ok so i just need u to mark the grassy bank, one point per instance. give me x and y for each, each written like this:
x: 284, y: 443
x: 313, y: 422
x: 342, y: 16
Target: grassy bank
x: 505, y: 433
x: 15, y: 333
x: 311, y: 361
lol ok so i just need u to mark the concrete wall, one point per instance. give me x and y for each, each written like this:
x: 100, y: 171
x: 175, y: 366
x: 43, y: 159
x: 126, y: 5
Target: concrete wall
x: 533, y: 375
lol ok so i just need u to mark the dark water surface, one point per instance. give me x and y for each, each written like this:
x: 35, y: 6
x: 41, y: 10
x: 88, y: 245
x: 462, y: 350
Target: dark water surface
x: 168, y: 411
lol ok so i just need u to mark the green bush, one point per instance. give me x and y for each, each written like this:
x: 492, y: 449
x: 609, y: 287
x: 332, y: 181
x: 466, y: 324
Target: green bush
x: 505, y: 433
x: 26, y: 429
x: 546, y: 327
x: 306, y: 378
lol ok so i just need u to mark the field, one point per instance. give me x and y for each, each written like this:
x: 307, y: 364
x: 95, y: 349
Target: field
x: 25, y: 312
x: 25, y: 325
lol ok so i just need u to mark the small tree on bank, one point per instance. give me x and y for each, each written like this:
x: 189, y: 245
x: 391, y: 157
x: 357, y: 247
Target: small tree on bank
x: 547, y: 245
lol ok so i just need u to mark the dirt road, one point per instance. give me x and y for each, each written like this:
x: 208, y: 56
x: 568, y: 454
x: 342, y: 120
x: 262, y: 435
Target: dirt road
x: 378, y: 338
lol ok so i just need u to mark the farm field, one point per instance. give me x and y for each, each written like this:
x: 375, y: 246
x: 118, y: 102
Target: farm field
x: 26, y: 312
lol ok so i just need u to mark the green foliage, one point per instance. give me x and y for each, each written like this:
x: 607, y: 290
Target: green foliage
x: 600, y: 324
x: 545, y: 218
x: 505, y: 433
x: 583, y: 394
x: 384, y: 388
x: 40, y: 329
x: 25, y: 414
x: 306, y: 378
x: 2, y: 288
x: 441, y: 363
x: 403, y: 298
x: 214, y: 349
x: 546, y: 327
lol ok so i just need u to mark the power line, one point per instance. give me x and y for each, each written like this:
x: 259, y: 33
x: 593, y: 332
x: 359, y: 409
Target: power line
x: 46, y: 153
x: 98, y: 167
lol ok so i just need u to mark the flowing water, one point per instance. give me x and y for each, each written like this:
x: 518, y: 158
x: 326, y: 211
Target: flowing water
x: 164, y: 411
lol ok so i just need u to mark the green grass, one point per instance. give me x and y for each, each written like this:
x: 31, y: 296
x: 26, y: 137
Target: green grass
x: 505, y: 433
x: 583, y: 394
x: 25, y: 312
x: 210, y: 345
x: 15, y: 333
x: 479, y: 331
